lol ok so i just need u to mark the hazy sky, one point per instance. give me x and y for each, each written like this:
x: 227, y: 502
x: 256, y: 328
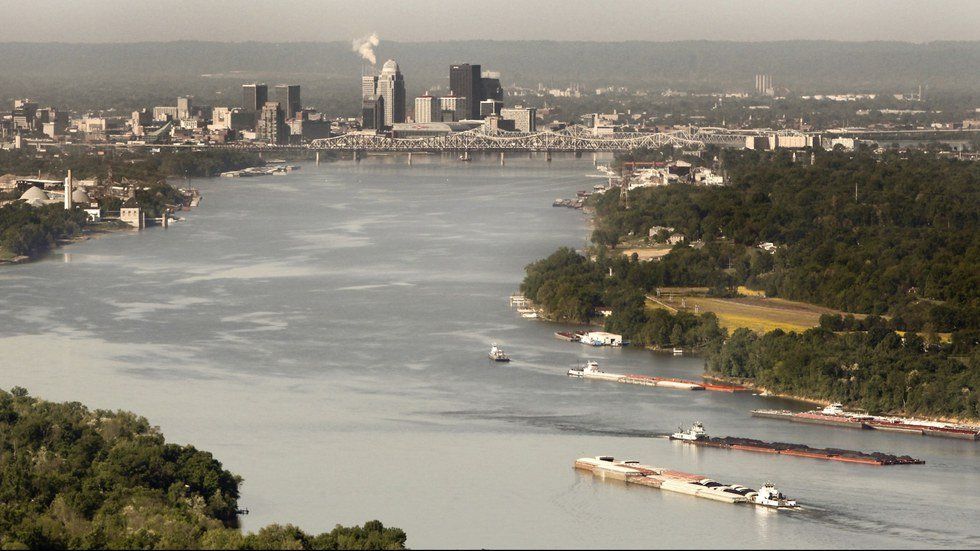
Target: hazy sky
x: 423, y: 20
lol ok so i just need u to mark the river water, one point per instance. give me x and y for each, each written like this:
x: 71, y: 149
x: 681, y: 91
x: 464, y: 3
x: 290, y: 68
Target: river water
x: 324, y: 334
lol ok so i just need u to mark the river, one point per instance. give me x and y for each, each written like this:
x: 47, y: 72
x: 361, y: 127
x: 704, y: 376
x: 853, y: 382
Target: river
x: 324, y: 334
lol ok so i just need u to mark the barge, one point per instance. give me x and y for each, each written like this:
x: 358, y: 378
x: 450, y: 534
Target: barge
x: 834, y: 415
x: 592, y: 371
x: 697, y: 436
x: 632, y: 472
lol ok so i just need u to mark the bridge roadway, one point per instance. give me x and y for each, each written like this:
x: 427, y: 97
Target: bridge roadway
x: 574, y: 139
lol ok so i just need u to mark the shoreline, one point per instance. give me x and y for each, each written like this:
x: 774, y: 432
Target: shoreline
x: 822, y: 402
x: 87, y: 234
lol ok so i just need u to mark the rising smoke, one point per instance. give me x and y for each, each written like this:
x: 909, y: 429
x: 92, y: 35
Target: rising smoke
x: 365, y: 47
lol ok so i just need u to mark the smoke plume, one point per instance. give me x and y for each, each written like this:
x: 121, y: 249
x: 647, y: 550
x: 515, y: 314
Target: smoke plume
x: 365, y: 47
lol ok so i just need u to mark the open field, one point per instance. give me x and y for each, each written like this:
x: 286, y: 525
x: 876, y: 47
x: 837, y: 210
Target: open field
x: 756, y: 313
x: 647, y: 253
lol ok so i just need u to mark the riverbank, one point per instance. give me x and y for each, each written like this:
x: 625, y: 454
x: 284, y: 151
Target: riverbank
x: 764, y: 391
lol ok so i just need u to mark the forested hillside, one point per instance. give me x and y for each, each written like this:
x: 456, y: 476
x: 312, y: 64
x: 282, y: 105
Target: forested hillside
x: 73, y: 478
x: 894, y: 237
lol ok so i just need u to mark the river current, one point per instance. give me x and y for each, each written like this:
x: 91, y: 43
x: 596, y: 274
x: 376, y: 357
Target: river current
x: 325, y: 334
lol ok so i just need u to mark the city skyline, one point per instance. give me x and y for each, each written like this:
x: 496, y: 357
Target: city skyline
x: 423, y: 20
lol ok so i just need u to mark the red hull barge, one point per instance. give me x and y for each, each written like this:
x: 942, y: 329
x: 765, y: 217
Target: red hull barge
x: 800, y: 450
x: 835, y: 416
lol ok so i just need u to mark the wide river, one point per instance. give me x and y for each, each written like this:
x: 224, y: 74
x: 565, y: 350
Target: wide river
x: 325, y: 335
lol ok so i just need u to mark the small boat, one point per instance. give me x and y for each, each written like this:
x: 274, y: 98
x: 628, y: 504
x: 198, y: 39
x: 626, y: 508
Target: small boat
x: 530, y: 315
x: 696, y: 432
x: 590, y: 368
x: 770, y: 496
x: 678, y: 351
x: 497, y: 354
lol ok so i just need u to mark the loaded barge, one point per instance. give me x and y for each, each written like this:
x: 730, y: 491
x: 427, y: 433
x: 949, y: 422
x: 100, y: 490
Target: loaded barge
x: 834, y: 415
x: 632, y: 472
x: 697, y: 436
x: 591, y: 371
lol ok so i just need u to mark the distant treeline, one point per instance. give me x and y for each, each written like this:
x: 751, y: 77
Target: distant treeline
x: 141, y: 166
x: 121, y: 75
x: 72, y: 478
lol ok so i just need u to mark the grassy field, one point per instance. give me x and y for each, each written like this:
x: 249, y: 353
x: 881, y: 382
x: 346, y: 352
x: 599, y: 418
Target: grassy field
x: 757, y: 313
x: 647, y: 253
x: 754, y: 312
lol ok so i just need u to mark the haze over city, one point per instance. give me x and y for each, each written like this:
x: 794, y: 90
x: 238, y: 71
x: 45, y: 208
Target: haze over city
x: 434, y: 20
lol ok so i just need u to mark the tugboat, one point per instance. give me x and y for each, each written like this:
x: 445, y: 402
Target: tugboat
x: 770, y: 496
x: 497, y: 354
x: 696, y: 432
x: 590, y: 368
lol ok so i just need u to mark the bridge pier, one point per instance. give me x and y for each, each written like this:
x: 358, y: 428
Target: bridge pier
x: 409, y: 158
x: 317, y: 158
x: 357, y: 158
x: 595, y: 159
x: 501, y: 158
x: 548, y: 156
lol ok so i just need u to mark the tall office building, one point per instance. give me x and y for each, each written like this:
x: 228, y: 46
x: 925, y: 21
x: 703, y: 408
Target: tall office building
x: 453, y: 108
x: 373, y: 113
x: 369, y: 86
x: 763, y: 85
x: 254, y: 96
x: 491, y: 86
x: 184, y: 108
x: 391, y: 86
x: 427, y: 109
x: 465, y: 81
x: 271, y: 126
x: 490, y: 107
x: 288, y: 97
x: 523, y: 117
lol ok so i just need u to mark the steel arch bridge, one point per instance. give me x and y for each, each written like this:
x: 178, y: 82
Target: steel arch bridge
x: 573, y: 139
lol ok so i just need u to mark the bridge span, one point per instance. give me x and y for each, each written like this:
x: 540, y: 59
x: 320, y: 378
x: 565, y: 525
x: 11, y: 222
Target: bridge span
x: 573, y: 139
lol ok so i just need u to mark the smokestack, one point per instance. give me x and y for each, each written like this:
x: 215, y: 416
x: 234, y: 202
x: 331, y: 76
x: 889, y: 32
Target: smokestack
x: 68, y: 190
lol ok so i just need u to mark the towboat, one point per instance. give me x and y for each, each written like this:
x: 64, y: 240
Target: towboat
x: 591, y: 368
x: 497, y: 354
x: 770, y: 496
x: 696, y: 432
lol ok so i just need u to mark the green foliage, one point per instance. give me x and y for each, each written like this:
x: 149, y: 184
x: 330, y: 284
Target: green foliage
x: 906, y: 246
x: 566, y: 284
x: 26, y: 230
x: 71, y: 478
x: 873, y: 370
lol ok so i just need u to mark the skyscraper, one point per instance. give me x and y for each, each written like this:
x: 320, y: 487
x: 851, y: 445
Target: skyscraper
x: 271, y: 126
x: 184, y: 108
x: 254, y: 96
x: 391, y: 86
x: 427, y: 109
x: 369, y: 86
x: 372, y: 112
x: 523, y: 117
x: 453, y: 108
x: 465, y: 81
x: 288, y: 97
x: 491, y: 86
x: 763, y: 85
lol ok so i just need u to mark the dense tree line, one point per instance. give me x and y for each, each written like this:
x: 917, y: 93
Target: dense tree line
x: 72, y: 478
x: 27, y: 230
x: 140, y: 166
x: 885, y: 235
x: 894, y: 237
x: 570, y: 287
x: 876, y: 370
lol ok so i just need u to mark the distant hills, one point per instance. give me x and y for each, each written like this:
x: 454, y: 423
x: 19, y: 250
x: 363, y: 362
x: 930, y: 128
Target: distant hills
x: 148, y: 70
